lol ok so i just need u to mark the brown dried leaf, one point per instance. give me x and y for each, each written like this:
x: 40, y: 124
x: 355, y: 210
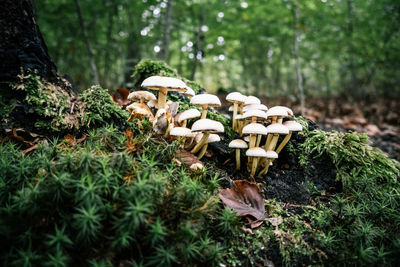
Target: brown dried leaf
x: 120, y: 96
x: 188, y: 159
x: 246, y: 199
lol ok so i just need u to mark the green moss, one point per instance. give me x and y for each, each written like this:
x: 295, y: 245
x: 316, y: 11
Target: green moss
x: 100, y: 110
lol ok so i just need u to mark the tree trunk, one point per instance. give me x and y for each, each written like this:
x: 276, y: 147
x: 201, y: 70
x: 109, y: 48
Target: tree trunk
x: 296, y: 53
x: 88, y: 46
x: 167, y: 31
x: 21, y: 44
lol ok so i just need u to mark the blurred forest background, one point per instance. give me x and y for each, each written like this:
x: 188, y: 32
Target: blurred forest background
x: 270, y: 48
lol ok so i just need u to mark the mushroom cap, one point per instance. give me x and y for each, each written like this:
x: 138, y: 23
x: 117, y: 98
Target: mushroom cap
x: 272, y: 154
x: 138, y: 95
x: 230, y: 108
x: 277, y: 111
x: 289, y: 111
x: 277, y: 128
x: 247, y: 138
x: 180, y: 131
x: 252, y: 100
x: 205, y: 99
x: 235, y: 97
x: 255, y: 128
x: 255, y: 106
x: 189, y: 114
x: 207, y: 125
x: 157, y: 82
x: 255, y: 113
x: 293, y: 126
x: 256, y: 152
x: 140, y: 110
x: 152, y: 103
x: 239, y: 117
x: 238, y: 143
x: 189, y: 92
x: 212, y: 138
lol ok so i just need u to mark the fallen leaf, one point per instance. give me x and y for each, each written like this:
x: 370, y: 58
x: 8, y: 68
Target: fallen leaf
x: 120, y: 96
x: 246, y: 199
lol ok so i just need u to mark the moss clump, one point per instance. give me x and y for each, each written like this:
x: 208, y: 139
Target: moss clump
x: 104, y: 201
x: 100, y: 110
x: 47, y: 106
x: 147, y: 67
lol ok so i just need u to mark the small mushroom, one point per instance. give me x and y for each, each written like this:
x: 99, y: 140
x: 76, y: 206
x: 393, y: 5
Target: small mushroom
x: 256, y: 153
x: 255, y: 106
x: 271, y: 155
x: 251, y: 100
x: 163, y: 85
x: 236, y: 98
x: 206, y: 126
x: 205, y: 101
x: 187, y: 115
x: 238, y: 144
x: 254, y: 129
x: 141, y: 96
x: 277, y: 113
x: 182, y: 133
x: 139, y: 111
x: 189, y: 92
x: 293, y: 126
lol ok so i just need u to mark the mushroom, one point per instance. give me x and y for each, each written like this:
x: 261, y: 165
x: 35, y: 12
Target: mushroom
x: 251, y: 100
x: 140, y: 111
x: 274, y: 130
x: 141, y: 96
x: 206, y: 126
x: 163, y: 85
x: 211, y: 139
x: 255, y: 106
x: 182, y: 133
x: 255, y: 153
x: 271, y: 155
x: 255, y: 115
x: 187, y: 115
x: 293, y: 126
x: 254, y: 129
x: 239, y: 123
x: 238, y: 144
x: 236, y: 98
x: 277, y: 113
x: 205, y: 101
x: 189, y: 92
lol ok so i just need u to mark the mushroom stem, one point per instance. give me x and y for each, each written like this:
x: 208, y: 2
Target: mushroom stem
x: 252, y: 142
x: 241, y: 108
x: 201, y: 143
x: 254, y: 167
x: 204, y: 112
x: 258, y: 140
x: 191, y: 143
x: 237, y: 158
x: 202, y: 151
x: 274, y: 140
x: 162, y: 98
x: 168, y: 130
x: 184, y: 123
x: 269, y: 137
x: 280, y: 120
x: 265, y: 170
x: 284, y: 142
x: 235, y: 108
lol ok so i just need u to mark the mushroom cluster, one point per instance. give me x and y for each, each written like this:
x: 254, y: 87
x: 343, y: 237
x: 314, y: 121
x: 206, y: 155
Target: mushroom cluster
x: 261, y: 128
x: 203, y: 130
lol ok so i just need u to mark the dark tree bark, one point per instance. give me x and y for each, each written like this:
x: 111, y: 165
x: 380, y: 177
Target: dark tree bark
x: 22, y: 45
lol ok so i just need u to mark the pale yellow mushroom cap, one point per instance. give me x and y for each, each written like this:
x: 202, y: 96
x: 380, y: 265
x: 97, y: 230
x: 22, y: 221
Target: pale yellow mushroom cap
x: 277, y: 111
x: 255, y: 128
x: 212, y: 138
x: 255, y: 106
x: 189, y: 114
x: 205, y: 100
x: 293, y: 126
x: 180, y: 131
x: 235, y: 97
x: 277, y: 128
x: 157, y: 82
x: 189, y: 92
x: 252, y: 100
x: 255, y: 113
x: 238, y: 143
x: 138, y: 95
x: 256, y: 152
x: 272, y: 154
x: 207, y: 125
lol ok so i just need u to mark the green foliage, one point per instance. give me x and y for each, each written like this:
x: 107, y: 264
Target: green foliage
x: 97, y: 202
x: 100, y: 110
